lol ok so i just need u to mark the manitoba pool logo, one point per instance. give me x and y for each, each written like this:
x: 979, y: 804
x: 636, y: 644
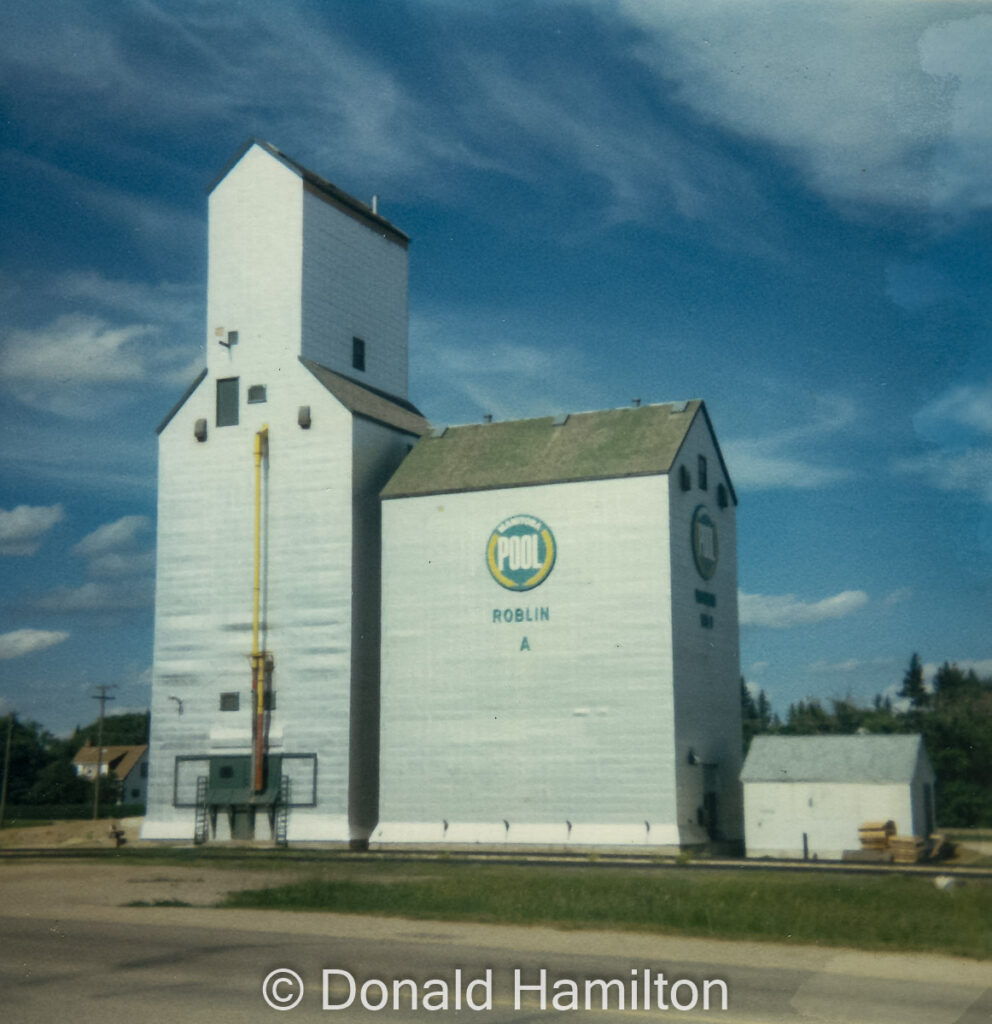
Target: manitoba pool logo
x: 704, y: 542
x: 521, y: 552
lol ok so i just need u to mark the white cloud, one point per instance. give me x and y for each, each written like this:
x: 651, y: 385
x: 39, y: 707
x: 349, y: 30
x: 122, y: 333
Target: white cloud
x: 982, y: 667
x: 789, y: 458
x: 497, y: 374
x: 23, y: 528
x: 898, y: 596
x: 122, y: 534
x: 859, y: 96
x: 787, y: 610
x: 74, y: 349
x: 849, y: 665
x: 956, y: 52
x: 22, y: 642
x: 754, y: 465
x: 969, y: 472
x: 97, y: 597
x: 63, y: 366
x: 958, y: 416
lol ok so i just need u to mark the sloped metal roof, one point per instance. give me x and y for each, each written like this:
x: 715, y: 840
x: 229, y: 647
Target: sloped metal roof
x: 871, y: 759
x: 633, y: 441
x: 369, y: 402
x: 321, y: 187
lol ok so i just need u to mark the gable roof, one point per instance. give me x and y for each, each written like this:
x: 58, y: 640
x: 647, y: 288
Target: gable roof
x: 834, y: 759
x: 322, y: 188
x: 119, y: 760
x: 368, y: 402
x: 634, y: 441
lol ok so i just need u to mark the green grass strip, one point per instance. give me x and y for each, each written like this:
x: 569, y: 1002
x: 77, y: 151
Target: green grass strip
x: 867, y: 912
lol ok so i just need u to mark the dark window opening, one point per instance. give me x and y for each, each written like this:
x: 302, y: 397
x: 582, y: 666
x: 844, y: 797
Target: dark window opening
x: 685, y: 480
x: 358, y: 354
x: 256, y: 393
x: 227, y: 402
x: 230, y: 701
x: 721, y: 496
x: 226, y: 771
x: 701, y: 473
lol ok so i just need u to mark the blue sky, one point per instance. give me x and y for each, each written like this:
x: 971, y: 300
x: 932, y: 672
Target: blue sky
x: 782, y: 208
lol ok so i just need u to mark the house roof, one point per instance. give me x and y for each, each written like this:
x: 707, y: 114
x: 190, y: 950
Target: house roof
x: 633, y: 441
x: 119, y: 760
x: 834, y: 759
x: 321, y: 187
x: 369, y: 402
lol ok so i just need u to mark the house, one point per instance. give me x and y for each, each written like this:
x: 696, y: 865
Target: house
x: 806, y: 796
x: 127, y: 764
x: 560, y: 635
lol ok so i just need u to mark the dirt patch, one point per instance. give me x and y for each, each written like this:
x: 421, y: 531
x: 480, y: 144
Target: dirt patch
x: 70, y: 834
x: 73, y: 888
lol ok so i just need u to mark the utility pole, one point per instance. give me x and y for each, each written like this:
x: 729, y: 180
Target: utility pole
x: 6, y: 767
x: 102, y: 696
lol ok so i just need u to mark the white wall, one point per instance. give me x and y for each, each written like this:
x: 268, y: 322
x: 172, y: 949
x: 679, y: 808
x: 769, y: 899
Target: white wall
x: 354, y: 285
x: 778, y: 813
x: 577, y: 728
x: 706, y: 659
x: 204, y: 592
x: 254, y: 279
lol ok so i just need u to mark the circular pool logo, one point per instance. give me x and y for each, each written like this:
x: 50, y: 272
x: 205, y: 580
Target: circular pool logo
x: 704, y: 542
x: 521, y: 552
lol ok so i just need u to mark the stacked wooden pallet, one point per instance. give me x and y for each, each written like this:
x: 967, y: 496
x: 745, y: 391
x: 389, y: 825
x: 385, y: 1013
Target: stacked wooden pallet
x: 875, y: 835
x: 906, y: 849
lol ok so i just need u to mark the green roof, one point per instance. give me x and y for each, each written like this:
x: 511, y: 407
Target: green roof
x: 633, y: 441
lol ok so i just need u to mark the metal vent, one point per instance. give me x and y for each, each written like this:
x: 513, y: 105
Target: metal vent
x: 200, y: 430
x: 303, y: 416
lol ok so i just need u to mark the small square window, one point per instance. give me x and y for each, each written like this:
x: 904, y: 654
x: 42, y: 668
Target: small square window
x: 230, y: 701
x: 358, y: 354
x: 256, y: 393
x: 227, y: 402
x: 701, y: 473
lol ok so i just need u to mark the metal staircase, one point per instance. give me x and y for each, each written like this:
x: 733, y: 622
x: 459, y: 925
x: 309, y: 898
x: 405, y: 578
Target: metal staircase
x: 201, y: 827
x: 282, y: 813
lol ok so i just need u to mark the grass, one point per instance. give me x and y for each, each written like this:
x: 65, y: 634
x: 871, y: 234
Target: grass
x: 868, y: 912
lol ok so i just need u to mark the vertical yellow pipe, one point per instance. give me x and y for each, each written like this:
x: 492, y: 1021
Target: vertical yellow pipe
x: 257, y: 657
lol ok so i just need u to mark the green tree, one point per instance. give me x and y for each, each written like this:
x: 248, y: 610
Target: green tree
x: 913, y: 687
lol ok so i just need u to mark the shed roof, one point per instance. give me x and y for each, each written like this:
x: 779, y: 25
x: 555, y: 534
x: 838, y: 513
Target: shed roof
x: 633, y: 441
x: 369, y: 402
x: 834, y: 759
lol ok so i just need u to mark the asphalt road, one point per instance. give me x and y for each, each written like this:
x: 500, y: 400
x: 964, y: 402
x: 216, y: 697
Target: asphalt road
x: 88, y: 961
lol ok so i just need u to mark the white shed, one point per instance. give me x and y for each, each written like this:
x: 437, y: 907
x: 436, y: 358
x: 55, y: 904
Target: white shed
x: 560, y: 638
x: 807, y: 796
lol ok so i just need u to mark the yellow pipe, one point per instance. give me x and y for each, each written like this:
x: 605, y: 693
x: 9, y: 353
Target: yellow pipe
x: 261, y: 448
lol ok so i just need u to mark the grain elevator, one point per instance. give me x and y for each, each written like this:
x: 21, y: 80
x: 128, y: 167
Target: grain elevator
x: 369, y: 630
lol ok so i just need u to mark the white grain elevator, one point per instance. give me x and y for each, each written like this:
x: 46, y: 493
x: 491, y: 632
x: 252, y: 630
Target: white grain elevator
x: 265, y: 691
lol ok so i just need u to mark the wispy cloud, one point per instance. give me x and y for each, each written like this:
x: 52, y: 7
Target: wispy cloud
x: 112, y: 550
x: 97, y: 596
x: 790, y: 457
x: 874, y: 103
x: 23, y: 528
x: 22, y: 642
x: 787, y: 610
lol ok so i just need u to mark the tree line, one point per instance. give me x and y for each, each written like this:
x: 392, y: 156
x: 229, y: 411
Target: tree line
x: 953, y: 715
x: 41, y: 771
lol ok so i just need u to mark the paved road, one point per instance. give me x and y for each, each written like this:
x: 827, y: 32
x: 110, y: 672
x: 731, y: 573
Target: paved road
x: 74, y: 958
